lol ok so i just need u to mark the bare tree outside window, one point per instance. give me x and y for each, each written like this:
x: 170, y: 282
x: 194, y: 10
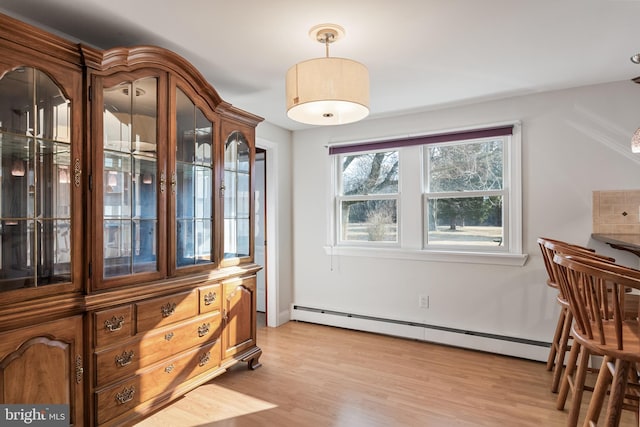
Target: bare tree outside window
x: 369, y: 191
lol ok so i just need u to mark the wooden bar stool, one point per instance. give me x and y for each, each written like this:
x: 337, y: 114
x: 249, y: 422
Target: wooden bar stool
x: 602, y: 307
x: 571, y: 379
x: 561, y: 338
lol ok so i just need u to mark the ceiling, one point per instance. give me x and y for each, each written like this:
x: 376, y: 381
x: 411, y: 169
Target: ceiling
x: 421, y: 54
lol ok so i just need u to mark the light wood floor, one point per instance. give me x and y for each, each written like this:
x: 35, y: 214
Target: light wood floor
x: 316, y: 375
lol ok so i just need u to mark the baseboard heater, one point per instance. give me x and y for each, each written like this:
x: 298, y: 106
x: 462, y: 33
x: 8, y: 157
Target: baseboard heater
x: 426, y: 326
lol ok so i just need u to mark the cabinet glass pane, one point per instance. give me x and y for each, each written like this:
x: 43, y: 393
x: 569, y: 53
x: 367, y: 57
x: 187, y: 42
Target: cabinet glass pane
x: 144, y: 244
x: 35, y: 181
x: 230, y: 208
x: 185, y: 124
x: 59, y: 232
x: 204, y: 139
x: 243, y: 237
x: 117, y: 118
x: 194, y: 239
x: 243, y: 195
x: 203, y: 237
x: 116, y: 185
x: 185, y: 190
x: 203, y: 187
x: 237, y: 196
x: 194, y: 184
x: 231, y: 153
x: 230, y: 241
x: 144, y: 188
x: 130, y: 168
x: 185, y: 250
x: 117, y: 248
x: 243, y: 156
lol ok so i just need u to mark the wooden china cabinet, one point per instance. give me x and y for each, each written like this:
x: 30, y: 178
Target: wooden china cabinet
x: 42, y: 353
x: 126, y: 227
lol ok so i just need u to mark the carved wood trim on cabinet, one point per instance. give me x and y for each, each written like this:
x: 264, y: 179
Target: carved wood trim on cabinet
x: 45, y: 364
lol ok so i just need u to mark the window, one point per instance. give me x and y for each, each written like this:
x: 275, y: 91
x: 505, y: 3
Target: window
x: 368, y: 197
x: 451, y: 196
x: 465, y: 194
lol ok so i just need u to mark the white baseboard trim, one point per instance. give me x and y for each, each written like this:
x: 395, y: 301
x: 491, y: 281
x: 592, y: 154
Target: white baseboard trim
x: 509, y: 346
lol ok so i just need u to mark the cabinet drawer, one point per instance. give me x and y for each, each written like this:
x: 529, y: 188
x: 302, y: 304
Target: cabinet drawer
x: 123, y: 360
x: 113, y: 325
x: 158, y: 379
x: 210, y: 298
x: 163, y: 311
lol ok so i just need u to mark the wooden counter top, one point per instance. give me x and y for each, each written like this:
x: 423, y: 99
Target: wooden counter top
x: 624, y: 242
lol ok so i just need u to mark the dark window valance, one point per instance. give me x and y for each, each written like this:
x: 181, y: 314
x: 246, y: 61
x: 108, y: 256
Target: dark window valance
x: 421, y: 140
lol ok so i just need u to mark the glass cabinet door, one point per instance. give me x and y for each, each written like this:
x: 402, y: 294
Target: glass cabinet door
x: 129, y: 181
x: 192, y: 184
x: 237, y: 218
x: 35, y: 181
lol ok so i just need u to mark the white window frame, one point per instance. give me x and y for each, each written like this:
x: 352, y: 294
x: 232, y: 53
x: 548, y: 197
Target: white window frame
x: 411, y: 203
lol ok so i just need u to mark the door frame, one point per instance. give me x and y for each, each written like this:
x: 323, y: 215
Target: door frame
x: 271, y: 235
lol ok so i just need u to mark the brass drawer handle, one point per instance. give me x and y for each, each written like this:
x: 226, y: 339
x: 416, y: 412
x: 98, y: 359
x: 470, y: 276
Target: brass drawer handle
x: 204, y: 359
x: 210, y: 298
x: 204, y: 329
x: 168, y: 310
x: 168, y: 336
x: 126, y: 395
x: 114, y: 324
x: 169, y: 369
x: 124, y: 359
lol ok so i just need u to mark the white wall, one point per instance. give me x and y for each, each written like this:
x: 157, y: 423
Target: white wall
x: 574, y: 141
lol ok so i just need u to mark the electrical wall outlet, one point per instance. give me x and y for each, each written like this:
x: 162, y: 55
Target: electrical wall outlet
x: 423, y: 301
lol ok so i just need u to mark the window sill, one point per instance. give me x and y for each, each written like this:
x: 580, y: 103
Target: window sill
x: 502, y: 258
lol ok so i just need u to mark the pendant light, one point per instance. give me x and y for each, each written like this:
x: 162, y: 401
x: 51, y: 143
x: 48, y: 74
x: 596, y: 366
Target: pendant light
x: 327, y: 91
